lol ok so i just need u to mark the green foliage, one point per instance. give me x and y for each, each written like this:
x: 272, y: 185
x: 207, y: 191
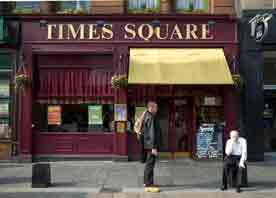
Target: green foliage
x: 21, y: 81
x: 119, y: 81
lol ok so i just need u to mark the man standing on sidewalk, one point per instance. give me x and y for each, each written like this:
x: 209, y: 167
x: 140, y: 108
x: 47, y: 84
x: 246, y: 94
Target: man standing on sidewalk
x: 151, y: 134
x: 236, y: 155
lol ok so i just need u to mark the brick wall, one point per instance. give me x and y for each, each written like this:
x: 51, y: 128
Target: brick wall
x: 257, y: 4
x: 223, y: 7
x: 107, y: 6
x: 167, y: 6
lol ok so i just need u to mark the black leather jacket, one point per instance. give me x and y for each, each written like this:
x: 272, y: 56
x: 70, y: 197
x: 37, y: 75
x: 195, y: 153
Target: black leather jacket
x: 151, y: 131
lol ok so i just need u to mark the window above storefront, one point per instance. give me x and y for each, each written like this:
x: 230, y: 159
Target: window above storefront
x: 143, y: 6
x: 186, y: 6
x: 60, y: 7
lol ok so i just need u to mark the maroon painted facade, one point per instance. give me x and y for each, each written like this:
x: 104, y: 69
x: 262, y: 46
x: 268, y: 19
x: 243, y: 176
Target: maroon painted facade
x: 42, y: 53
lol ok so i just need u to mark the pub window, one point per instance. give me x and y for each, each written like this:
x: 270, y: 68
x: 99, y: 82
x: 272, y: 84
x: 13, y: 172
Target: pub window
x: 72, y: 118
x: 192, y: 6
x: 210, y: 110
x: 143, y: 6
x: 6, y: 63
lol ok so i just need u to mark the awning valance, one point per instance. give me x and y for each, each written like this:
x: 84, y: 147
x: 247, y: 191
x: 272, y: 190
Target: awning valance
x: 178, y: 66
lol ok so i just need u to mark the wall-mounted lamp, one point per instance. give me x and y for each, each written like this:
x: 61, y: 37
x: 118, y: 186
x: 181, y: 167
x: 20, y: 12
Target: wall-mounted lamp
x: 100, y: 24
x: 211, y: 24
x: 43, y: 23
x: 156, y: 24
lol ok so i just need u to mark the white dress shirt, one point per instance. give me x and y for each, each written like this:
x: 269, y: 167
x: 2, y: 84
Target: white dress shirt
x: 238, y: 147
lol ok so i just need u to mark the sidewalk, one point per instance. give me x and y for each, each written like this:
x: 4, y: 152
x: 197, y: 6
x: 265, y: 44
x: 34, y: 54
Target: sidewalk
x: 107, y: 178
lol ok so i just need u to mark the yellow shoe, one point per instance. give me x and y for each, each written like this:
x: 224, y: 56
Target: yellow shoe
x: 152, y: 189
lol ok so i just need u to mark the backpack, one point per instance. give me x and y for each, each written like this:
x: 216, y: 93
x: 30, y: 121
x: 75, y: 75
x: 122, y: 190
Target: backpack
x: 138, y: 124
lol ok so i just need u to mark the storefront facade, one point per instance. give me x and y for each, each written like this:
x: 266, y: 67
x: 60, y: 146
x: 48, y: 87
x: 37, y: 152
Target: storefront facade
x: 71, y: 110
x: 257, y: 59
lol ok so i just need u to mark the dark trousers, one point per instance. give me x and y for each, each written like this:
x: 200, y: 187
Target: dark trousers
x: 143, y: 153
x: 149, y: 169
x: 231, y: 163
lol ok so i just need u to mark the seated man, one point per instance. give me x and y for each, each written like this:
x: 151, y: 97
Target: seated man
x: 236, y: 155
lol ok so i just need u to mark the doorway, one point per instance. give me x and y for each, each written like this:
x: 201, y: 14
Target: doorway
x: 176, y: 117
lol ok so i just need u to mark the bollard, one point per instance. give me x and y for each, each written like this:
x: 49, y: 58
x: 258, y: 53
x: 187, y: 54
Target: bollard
x: 41, y: 175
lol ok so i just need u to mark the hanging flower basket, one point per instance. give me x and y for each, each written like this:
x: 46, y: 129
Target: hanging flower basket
x: 21, y: 81
x: 119, y: 81
x: 238, y: 81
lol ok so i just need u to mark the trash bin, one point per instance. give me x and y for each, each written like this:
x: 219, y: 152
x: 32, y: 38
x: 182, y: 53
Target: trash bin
x: 41, y: 175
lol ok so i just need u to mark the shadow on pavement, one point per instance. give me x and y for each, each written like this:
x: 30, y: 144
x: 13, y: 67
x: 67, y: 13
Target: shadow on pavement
x: 14, y: 180
x: 63, y: 184
x: 11, y: 166
x: 253, y: 186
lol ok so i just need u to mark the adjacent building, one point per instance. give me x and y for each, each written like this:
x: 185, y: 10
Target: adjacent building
x: 257, y: 68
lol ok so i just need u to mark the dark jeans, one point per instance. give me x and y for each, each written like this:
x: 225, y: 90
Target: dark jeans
x: 143, y: 154
x: 232, y: 162
x: 149, y: 169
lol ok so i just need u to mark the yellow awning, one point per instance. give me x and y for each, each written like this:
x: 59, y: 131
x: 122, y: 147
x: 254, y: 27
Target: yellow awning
x: 178, y: 66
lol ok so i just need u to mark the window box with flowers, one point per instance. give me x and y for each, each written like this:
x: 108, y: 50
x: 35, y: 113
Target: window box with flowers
x: 119, y: 81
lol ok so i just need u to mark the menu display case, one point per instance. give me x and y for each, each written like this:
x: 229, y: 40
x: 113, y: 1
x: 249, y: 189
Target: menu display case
x: 210, y: 128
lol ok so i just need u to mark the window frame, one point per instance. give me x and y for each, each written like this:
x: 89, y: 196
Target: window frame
x: 7, y: 74
x: 88, y: 132
x: 155, y: 10
x: 185, y: 11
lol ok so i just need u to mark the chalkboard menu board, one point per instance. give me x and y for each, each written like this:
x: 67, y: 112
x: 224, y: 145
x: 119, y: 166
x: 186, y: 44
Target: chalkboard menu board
x: 209, y: 142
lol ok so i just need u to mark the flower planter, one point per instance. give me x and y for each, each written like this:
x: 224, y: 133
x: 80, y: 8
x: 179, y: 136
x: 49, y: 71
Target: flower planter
x: 119, y: 81
x: 21, y: 81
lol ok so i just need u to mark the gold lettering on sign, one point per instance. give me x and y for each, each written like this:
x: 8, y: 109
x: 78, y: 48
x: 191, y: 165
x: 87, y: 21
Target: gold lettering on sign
x: 176, y: 31
x: 74, y: 33
x: 191, y: 31
x: 107, y: 32
x: 206, y: 32
x: 50, y: 31
x: 141, y: 32
x: 93, y: 34
x: 130, y: 33
x: 60, y: 31
x: 158, y: 32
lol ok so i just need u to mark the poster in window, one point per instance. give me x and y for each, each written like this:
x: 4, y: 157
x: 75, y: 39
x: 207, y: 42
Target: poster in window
x: 121, y: 127
x: 4, y: 89
x: 4, y: 109
x: 95, y: 115
x: 54, y: 115
x: 139, y: 111
x: 120, y: 112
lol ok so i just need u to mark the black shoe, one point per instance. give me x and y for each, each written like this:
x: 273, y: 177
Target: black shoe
x: 238, y: 190
x: 223, y: 188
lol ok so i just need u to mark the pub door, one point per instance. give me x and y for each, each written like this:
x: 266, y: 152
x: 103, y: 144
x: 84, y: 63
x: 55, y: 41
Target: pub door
x: 176, y: 120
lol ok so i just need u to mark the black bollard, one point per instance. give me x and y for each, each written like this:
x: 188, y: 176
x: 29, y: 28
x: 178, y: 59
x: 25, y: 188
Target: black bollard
x: 41, y: 177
